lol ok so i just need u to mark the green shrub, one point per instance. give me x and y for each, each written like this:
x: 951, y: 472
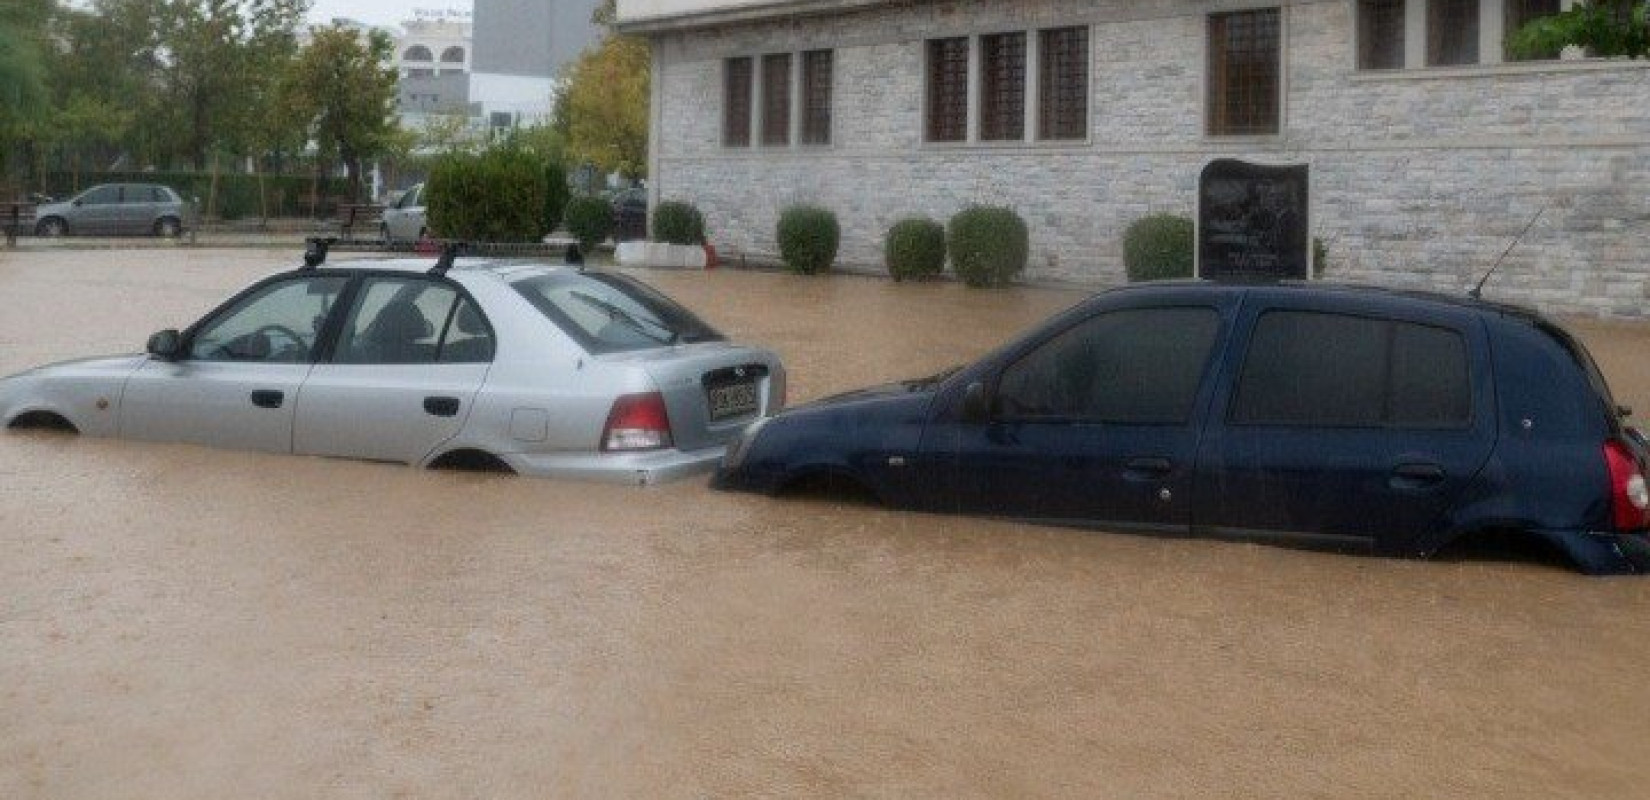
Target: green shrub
x: 808, y: 238
x: 497, y: 195
x: 590, y: 220
x: 989, y: 245
x: 1320, y: 257
x: 556, y: 194
x: 678, y: 223
x: 915, y: 249
x: 1159, y: 248
x: 237, y: 196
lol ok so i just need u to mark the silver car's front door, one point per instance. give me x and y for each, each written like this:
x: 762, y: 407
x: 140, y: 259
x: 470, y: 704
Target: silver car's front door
x: 246, y: 406
x: 410, y: 358
x: 236, y: 384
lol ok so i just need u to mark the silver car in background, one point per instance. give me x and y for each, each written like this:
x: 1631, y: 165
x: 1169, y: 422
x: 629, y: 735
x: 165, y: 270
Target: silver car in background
x: 118, y: 209
x: 404, y: 220
x: 540, y: 370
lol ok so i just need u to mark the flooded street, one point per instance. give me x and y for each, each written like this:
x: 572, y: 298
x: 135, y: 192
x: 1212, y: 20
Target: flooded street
x: 188, y: 623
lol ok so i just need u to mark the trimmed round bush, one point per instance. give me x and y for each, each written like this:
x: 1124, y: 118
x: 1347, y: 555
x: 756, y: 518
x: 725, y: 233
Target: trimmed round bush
x: 989, y: 245
x: 678, y: 223
x: 590, y: 220
x: 808, y: 238
x: 915, y: 249
x: 1158, y: 248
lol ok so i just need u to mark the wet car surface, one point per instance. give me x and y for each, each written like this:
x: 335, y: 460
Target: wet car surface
x: 186, y: 622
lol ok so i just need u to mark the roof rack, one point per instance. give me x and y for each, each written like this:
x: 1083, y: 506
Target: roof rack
x: 450, y: 251
x: 315, y: 251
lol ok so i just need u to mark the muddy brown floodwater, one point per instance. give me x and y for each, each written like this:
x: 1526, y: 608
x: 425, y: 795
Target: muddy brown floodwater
x: 185, y: 623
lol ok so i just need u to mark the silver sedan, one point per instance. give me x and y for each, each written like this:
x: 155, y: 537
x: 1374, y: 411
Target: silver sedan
x: 539, y: 370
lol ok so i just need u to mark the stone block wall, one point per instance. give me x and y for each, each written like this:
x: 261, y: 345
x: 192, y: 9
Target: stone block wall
x: 1421, y: 178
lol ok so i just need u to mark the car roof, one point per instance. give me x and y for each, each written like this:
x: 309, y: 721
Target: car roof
x: 502, y: 268
x: 1330, y: 289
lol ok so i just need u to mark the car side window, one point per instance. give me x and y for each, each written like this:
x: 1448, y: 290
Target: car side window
x: 102, y: 196
x: 413, y: 321
x: 1315, y: 369
x: 1134, y: 367
x: 279, y: 323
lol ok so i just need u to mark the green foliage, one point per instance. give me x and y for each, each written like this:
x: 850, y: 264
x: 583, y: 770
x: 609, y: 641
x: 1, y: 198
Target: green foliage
x: 989, y: 245
x: 1607, y: 28
x: 808, y: 238
x: 343, y: 89
x: 1158, y: 248
x: 497, y: 195
x: 288, y: 196
x: 915, y: 248
x: 603, y: 108
x: 590, y: 220
x: 1320, y: 257
x: 556, y: 193
x: 678, y: 223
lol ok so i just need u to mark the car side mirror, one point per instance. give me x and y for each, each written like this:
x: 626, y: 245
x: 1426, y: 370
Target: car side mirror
x: 79, y: 203
x: 976, y: 405
x: 166, y: 345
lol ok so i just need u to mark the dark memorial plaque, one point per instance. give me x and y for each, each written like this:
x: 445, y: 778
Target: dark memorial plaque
x: 1252, y: 222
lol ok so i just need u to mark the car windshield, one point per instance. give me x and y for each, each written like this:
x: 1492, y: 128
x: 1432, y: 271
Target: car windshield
x: 612, y: 313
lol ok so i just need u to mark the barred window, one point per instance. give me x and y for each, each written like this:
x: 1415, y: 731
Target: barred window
x: 1381, y: 34
x: 1452, y: 32
x: 776, y: 100
x: 1521, y: 13
x: 948, y: 90
x: 736, y: 102
x: 1244, y: 70
x: 816, y: 97
x: 1063, y: 83
x: 1003, y: 87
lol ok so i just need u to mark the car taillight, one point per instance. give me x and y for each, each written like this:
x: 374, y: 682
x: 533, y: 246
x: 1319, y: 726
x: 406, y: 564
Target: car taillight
x: 1629, y: 495
x: 637, y: 422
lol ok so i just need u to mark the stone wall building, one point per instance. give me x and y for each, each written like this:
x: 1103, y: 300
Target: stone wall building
x: 1430, y: 148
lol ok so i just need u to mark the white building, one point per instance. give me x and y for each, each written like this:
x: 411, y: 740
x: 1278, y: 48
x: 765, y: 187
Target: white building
x: 1430, y: 148
x: 432, y: 60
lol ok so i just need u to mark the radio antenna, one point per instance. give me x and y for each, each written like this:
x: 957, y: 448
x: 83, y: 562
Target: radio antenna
x: 1477, y: 292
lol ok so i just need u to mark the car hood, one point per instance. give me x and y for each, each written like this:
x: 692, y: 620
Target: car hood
x: 52, y: 208
x: 882, y: 392
x: 101, y: 365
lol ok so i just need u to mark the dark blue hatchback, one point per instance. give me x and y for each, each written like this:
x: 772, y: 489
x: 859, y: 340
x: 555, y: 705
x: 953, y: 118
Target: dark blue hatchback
x: 1341, y: 417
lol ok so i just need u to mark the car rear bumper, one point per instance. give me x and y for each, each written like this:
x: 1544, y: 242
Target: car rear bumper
x: 637, y: 469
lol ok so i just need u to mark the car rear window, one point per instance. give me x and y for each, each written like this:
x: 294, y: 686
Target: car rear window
x: 609, y: 313
x: 1316, y: 369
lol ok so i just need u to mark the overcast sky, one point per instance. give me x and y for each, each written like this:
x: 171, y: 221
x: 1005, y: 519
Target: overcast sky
x: 380, y: 12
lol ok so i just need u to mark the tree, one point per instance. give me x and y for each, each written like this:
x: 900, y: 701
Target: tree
x: 604, y: 106
x: 1606, y: 28
x: 22, y: 68
x: 344, y: 89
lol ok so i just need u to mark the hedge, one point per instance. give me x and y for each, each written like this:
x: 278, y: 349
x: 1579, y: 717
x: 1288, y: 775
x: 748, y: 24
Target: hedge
x: 989, y: 245
x: 237, y: 195
x: 497, y: 195
x: 590, y: 220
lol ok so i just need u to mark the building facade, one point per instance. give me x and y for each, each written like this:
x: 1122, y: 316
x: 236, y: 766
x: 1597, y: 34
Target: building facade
x: 432, y: 60
x: 1430, y: 147
x: 520, y: 48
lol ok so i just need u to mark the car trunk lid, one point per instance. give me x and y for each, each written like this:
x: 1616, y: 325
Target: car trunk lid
x: 712, y: 390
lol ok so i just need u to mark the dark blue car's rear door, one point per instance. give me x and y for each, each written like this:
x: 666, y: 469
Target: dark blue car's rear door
x: 1095, y: 419
x: 1353, y: 419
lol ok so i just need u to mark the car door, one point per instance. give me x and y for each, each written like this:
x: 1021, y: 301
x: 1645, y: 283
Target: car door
x: 410, y: 357
x: 241, y: 368
x: 137, y: 209
x: 1095, y: 424
x: 1349, y: 422
x: 97, y: 211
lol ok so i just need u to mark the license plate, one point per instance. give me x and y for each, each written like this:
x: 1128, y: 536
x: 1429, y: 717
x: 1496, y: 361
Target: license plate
x: 732, y: 400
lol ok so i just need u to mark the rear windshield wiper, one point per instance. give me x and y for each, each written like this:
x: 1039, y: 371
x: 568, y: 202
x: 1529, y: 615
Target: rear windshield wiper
x: 620, y: 315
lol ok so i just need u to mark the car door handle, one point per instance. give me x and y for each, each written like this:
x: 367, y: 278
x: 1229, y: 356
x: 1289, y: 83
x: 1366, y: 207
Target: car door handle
x: 1417, y: 476
x: 268, y: 398
x: 1147, y: 468
x: 441, y: 406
